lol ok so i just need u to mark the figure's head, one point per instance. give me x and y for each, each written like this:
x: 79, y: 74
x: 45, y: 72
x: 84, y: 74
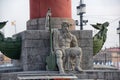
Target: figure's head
x: 106, y: 24
x: 65, y: 26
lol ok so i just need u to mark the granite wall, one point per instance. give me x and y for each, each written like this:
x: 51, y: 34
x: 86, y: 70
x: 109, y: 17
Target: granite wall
x: 35, y: 49
x: 85, y: 41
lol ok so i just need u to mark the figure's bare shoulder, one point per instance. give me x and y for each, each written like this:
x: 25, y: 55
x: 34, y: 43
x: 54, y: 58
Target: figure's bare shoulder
x: 56, y: 31
x: 73, y: 36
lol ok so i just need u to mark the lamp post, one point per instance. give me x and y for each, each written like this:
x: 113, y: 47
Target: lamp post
x: 81, y: 9
x: 118, y: 32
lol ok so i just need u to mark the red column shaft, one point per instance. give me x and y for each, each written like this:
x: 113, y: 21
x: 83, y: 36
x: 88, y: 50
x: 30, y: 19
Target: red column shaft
x: 59, y: 8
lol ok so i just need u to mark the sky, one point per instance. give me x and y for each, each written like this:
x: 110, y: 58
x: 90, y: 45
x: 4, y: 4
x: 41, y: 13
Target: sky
x: 97, y: 11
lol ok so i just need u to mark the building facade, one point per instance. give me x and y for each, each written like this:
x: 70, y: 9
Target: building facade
x: 108, y: 56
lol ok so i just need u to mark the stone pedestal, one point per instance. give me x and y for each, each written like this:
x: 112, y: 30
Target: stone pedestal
x: 36, y: 47
x: 85, y: 75
x: 39, y: 23
x: 85, y: 41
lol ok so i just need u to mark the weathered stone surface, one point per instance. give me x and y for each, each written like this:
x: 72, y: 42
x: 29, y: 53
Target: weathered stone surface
x: 86, y: 42
x: 100, y: 75
x: 36, y: 47
x: 34, y: 58
x: 8, y: 76
x: 82, y: 34
x: 36, y: 43
x: 34, y: 67
x: 92, y: 75
x: 86, y: 34
x: 85, y: 75
x: 82, y: 76
x: 39, y: 24
x: 35, y: 34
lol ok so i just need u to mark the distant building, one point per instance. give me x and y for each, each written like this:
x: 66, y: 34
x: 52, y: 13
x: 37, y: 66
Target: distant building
x: 1, y: 58
x: 109, y: 56
x: 7, y: 60
x: 4, y: 59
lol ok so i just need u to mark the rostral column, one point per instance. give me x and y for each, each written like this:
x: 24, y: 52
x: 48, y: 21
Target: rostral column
x: 61, y: 11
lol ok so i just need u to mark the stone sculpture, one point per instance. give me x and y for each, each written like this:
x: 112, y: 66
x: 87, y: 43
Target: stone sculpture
x: 99, y: 38
x: 11, y: 47
x: 66, y: 49
x: 50, y: 60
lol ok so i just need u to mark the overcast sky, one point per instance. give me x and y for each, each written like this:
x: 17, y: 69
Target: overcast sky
x: 96, y: 11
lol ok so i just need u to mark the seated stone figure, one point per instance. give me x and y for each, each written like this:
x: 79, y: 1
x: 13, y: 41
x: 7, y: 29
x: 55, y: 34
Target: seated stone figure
x: 66, y: 48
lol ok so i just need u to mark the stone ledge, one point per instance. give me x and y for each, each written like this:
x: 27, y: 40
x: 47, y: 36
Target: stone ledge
x: 86, y: 74
x: 10, y: 69
x: 46, y: 76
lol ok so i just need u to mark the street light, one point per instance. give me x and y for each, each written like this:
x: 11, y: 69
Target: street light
x: 118, y: 32
x: 81, y: 9
x: 118, y: 29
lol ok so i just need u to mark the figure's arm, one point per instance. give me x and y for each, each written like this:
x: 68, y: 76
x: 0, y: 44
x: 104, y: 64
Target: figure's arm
x: 74, y: 41
x: 55, y: 40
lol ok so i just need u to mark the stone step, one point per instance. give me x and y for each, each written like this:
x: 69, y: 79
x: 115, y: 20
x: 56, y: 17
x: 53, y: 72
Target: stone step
x: 45, y: 75
x: 33, y: 77
x: 10, y: 69
x: 85, y: 75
